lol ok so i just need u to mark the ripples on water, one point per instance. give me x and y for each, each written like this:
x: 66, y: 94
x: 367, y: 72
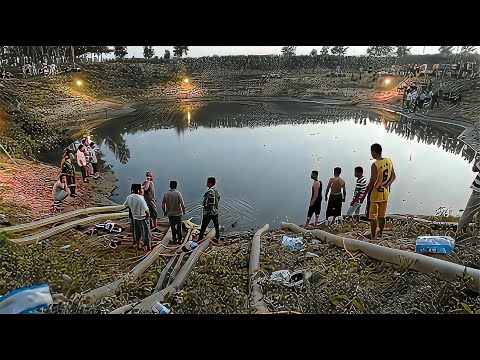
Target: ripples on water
x: 234, y: 214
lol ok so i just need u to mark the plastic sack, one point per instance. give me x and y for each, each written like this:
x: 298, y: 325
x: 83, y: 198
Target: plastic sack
x: 26, y: 300
x: 292, y: 243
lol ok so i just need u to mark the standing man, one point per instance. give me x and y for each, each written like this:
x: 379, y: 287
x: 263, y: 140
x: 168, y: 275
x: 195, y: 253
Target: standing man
x: 473, y: 204
x: 316, y: 199
x: 435, y: 100
x: 69, y: 170
x: 210, y: 209
x: 359, y: 191
x: 88, y: 154
x: 149, y: 195
x: 139, y: 209
x: 93, y: 160
x: 337, y: 184
x: 408, y: 99
x: 414, y: 100
x: 82, y: 162
x: 173, y: 206
x: 382, y: 176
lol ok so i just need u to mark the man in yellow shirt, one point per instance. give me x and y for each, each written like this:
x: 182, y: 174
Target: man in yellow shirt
x: 382, y: 176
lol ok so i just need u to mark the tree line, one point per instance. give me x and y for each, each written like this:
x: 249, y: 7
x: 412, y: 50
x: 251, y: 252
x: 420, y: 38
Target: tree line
x: 400, y: 51
x: 20, y: 55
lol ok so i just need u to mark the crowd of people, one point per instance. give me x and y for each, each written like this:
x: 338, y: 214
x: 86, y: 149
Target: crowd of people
x: 377, y: 191
x: 142, y: 203
x: 143, y: 215
x: 420, y: 96
x: 66, y: 185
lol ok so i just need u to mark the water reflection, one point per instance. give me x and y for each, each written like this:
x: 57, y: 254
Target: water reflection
x: 183, y: 117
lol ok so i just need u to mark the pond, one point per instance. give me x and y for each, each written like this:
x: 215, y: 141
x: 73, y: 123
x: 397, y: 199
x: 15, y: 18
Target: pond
x: 262, y: 153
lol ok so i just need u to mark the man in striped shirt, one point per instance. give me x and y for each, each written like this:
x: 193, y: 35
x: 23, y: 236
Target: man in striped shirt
x: 357, y: 193
x: 473, y: 204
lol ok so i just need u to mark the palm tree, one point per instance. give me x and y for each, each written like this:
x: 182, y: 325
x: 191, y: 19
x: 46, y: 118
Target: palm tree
x: 288, y: 50
x: 379, y: 50
x: 179, y: 50
x: 339, y: 50
x: 148, y: 52
x: 403, y: 51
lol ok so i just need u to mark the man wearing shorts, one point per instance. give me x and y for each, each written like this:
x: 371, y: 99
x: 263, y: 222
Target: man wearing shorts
x: 382, y: 176
x: 316, y: 199
x: 337, y: 185
x: 359, y: 191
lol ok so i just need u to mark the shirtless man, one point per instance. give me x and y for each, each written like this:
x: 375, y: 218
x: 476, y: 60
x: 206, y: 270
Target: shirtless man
x: 337, y: 184
x: 316, y: 199
x: 382, y: 176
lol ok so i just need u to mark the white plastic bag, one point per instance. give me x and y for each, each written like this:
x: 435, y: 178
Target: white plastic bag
x: 287, y: 278
x: 292, y: 243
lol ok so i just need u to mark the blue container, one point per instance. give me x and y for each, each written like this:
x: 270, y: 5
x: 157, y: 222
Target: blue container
x: 434, y: 245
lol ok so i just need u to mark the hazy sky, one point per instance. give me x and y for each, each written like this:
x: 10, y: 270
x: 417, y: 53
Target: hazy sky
x: 198, y: 51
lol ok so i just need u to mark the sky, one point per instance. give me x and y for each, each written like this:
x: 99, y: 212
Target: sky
x: 198, y: 51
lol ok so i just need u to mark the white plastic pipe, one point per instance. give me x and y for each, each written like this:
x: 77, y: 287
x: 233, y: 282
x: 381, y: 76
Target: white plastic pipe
x: 177, y: 284
x: 418, y: 262
x: 61, y: 228
x: 256, y: 296
x: 61, y: 217
x: 112, y: 288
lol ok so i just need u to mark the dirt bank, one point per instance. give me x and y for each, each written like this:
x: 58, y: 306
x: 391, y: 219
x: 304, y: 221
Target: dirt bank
x: 26, y: 191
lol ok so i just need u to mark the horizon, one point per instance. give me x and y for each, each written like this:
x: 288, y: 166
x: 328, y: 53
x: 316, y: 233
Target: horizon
x: 202, y: 51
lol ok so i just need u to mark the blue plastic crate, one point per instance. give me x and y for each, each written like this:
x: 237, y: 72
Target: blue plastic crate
x: 434, y: 245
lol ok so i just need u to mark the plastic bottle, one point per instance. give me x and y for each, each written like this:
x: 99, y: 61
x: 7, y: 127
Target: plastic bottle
x: 160, y: 308
x: 190, y: 245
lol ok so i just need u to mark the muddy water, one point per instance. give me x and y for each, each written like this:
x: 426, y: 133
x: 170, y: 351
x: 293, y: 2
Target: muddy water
x: 262, y: 155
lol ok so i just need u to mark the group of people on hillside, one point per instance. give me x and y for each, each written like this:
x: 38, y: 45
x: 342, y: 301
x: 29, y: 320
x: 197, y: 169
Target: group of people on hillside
x: 417, y: 97
x: 39, y: 68
x: 66, y: 185
x: 143, y: 214
x: 378, y: 188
